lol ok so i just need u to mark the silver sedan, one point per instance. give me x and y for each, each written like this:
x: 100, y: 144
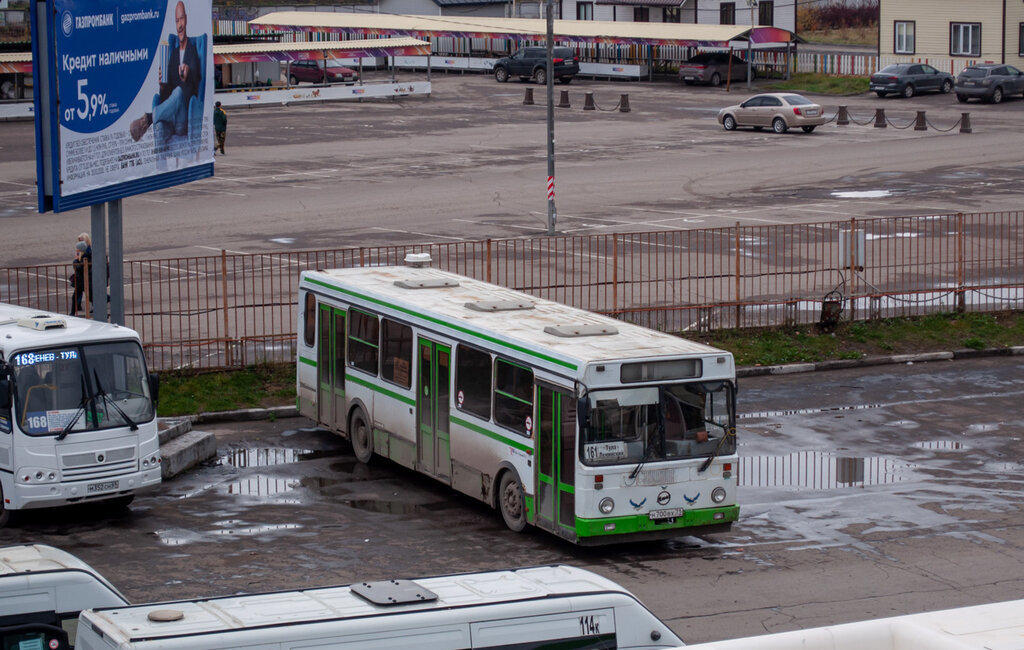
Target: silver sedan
x: 778, y: 111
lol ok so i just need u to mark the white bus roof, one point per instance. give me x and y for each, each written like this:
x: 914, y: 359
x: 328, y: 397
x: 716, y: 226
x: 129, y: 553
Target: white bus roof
x: 567, y: 336
x: 36, y: 577
x: 22, y: 328
x: 310, y: 606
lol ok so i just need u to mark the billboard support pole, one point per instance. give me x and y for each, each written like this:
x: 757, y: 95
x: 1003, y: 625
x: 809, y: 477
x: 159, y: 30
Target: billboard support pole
x: 97, y: 296
x: 116, y: 235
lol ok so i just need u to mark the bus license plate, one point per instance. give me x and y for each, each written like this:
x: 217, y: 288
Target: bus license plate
x: 667, y: 513
x: 106, y: 486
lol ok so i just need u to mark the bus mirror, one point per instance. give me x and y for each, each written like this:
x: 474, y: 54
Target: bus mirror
x: 5, y: 393
x: 154, y: 387
x: 583, y: 413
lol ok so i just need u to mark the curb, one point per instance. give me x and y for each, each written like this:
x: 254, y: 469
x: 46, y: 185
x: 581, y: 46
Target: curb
x: 840, y: 364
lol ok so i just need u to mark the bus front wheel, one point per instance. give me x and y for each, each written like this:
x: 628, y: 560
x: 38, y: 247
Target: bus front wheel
x: 362, y: 437
x: 5, y: 514
x: 511, y: 502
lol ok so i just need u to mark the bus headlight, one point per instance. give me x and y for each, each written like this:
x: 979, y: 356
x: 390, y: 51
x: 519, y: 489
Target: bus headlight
x: 606, y: 505
x: 718, y: 494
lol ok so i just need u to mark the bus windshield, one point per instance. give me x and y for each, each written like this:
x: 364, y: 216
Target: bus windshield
x: 81, y: 387
x: 652, y: 423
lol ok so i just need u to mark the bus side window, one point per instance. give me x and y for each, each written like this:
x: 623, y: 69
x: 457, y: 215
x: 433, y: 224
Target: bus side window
x: 309, y: 321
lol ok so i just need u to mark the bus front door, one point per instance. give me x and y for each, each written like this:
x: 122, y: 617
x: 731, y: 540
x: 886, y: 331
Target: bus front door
x: 556, y: 461
x: 433, y: 393
x: 330, y: 364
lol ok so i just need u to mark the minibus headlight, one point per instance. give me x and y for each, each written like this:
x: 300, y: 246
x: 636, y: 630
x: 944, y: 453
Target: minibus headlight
x: 718, y: 494
x: 36, y: 475
x: 606, y: 505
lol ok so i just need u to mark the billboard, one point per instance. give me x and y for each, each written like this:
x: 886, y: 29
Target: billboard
x: 124, y: 100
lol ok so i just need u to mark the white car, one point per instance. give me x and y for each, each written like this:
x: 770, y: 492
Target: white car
x: 778, y: 111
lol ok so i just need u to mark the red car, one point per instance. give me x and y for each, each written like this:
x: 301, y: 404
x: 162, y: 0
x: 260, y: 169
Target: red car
x: 313, y: 72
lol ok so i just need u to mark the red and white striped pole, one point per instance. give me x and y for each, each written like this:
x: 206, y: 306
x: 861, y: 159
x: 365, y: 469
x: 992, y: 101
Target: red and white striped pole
x: 551, y: 188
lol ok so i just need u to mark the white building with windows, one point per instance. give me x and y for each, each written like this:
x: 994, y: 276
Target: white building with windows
x: 773, y: 13
x: 972, y: 32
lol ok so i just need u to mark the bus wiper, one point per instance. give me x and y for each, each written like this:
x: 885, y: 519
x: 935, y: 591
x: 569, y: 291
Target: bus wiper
x: 78, y: 413
x: 729, y: 433
x: 108, y: 400
x: 648, y: 452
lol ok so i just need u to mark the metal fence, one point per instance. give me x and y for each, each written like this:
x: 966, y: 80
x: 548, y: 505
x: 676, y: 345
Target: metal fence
x: 230, y: 310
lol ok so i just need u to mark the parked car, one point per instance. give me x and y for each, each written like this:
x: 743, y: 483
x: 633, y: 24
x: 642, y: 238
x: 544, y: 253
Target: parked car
x: 531, y: 62
x: 988, y: 81
x: 780, y: 111
x: 713, y: 68
x: 907, y: 79
x: 313, y: 71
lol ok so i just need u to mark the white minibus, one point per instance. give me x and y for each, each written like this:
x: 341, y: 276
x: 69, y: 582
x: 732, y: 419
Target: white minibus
x: 539, y: 607
x: 77, y: 412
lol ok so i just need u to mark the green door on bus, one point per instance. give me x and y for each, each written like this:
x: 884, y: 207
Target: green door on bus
x: 330, y: 366
x: 556, y: 461
x: 433, y: 394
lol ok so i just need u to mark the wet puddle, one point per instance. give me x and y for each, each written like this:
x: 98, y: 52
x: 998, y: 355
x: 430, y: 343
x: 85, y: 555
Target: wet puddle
x: 229, y: 528
x: 940, y: 445
x: 817, y: 470
x: 270, y: 456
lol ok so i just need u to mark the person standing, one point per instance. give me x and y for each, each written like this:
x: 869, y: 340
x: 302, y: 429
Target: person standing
x: 80, y: 278
x: 220, y: 127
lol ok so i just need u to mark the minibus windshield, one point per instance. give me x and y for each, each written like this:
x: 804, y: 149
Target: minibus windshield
x: 81, y: 387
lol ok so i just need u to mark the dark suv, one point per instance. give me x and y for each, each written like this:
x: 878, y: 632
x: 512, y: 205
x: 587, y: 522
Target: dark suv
x: 532, y: 62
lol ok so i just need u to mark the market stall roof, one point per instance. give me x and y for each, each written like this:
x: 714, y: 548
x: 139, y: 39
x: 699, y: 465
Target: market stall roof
x: 361, y: 49
x: 577, y: 31
x: 253, y: 52
x: 13, y: 62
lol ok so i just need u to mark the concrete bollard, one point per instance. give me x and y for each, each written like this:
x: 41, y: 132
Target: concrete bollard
x: 588, y: 102
x: 879, y: 118
x: 842, y: 117
x: 624, y: 103
x: 921, y: 124
x: 965, y: 123
x: 528, y: 99
x: 563, y: 101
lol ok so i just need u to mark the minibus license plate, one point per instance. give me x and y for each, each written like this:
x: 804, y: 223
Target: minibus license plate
x: 106, y: 486
x: 667, y: 513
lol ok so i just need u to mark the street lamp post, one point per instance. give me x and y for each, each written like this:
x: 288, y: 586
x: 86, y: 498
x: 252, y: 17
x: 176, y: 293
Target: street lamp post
x: 753, y: 5
x: 550, y: 78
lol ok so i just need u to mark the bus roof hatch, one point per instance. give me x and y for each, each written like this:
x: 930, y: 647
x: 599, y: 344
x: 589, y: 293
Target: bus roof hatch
x: 393, y: 592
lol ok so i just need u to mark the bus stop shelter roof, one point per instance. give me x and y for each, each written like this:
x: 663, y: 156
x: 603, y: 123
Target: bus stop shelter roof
x: 317, y: 50
x: 524, y: 29
x: 14, y: 62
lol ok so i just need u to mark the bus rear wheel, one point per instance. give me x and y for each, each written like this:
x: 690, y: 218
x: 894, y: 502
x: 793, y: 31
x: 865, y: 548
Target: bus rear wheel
x: 511, y: 502
x: 361, y: 436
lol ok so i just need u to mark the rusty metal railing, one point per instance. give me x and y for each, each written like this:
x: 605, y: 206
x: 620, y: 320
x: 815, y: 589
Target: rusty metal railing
x: 229, y: 310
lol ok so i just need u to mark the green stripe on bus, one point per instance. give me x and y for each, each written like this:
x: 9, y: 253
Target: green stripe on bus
x: 643, y: 523
x: 490, y: 434
x: 379, y: 389
x: 307, y: 361
x: 444, y: 323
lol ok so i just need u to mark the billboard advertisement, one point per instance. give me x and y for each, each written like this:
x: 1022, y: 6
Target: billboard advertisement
x: 127, y: 99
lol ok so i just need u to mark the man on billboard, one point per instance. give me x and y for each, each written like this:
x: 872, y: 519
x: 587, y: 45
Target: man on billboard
x: 180, y: 81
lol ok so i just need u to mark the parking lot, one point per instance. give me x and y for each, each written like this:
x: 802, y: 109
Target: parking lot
x: 883, y: 491
x: 469, y: 162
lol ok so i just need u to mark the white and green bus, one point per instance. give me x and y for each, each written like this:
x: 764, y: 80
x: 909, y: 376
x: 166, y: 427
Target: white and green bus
x: 597, y: 430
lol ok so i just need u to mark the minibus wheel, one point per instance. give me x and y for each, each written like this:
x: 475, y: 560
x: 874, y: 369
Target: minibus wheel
x: 5, y: 514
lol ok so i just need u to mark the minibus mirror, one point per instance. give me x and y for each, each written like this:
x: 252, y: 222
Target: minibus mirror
x: 154, y: 387
x: 5, y: 393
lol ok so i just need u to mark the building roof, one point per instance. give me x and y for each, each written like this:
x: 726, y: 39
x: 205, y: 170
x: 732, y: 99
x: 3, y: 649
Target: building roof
x: 356, y: 49
x: 581, y: 31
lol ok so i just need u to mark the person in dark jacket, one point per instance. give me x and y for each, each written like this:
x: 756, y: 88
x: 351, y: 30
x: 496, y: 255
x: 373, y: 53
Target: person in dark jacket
x: 220, y: 127
x: 82, y: 267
